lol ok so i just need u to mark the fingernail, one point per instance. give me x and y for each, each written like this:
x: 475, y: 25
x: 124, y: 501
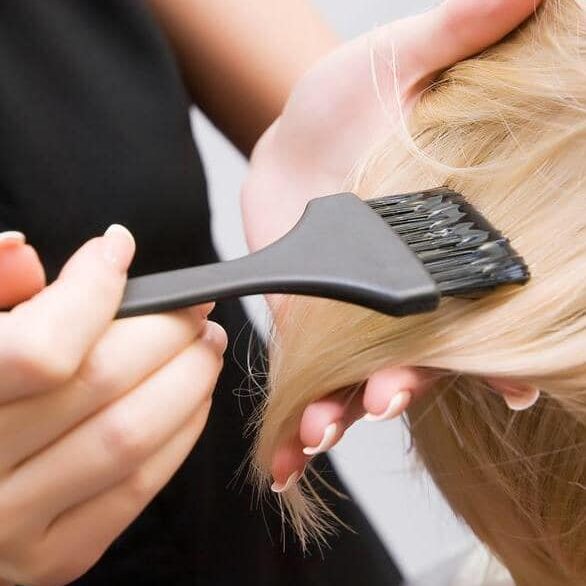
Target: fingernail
x: 215, y: 335
x: 119, y: 247
x: 279, y: 488
x: 396, y: 406
x: 327, y: 441
x: 12, y: 237
x: 523, y: 401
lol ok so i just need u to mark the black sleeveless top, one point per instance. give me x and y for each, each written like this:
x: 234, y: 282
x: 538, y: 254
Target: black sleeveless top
x: 94, y: 129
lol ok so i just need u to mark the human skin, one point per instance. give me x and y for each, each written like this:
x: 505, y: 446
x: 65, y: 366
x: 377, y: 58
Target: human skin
x: 49, y: 532
x: 256, y: 50
x: 88, y: 397
x: 332, y: 118
x: 232, y: 39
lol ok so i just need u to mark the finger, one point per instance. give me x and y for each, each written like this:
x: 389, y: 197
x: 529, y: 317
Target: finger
x: 389, y: 391
x: 78, y: 538
x: 386, y: 395
x: 288, y: 464
x: 451, y: 32
x: 324, y: 422
x: 517, y: 395
x: 322, y: 425
x: 21, y: 271
x: 45, y: 339
x: 108, y: 447
x: 128, y: 353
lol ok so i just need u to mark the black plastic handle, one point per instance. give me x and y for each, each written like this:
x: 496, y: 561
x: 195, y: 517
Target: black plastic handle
x: 339, y: 249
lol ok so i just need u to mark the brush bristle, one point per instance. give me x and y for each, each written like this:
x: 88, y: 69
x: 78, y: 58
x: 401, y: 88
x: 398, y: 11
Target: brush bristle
x: 463, y: 253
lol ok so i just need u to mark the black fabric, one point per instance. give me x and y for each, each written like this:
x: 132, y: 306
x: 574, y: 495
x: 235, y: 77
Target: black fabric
x: 94, y: 129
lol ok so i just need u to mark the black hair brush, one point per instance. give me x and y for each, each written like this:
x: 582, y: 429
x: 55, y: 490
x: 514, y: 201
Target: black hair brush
x: 397, y: 254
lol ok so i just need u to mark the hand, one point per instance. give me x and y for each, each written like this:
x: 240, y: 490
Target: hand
x: 333, y: 116
x: 95, y: 415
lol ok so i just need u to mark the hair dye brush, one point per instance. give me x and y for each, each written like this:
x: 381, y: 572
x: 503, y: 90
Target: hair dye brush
x: 397, y: 254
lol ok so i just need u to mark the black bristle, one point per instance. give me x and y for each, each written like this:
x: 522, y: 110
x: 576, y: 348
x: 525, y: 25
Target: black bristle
x: 463, y: 253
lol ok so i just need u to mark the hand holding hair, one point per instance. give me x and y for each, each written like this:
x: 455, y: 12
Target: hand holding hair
x: 507, y: 129
x: 335, y: 113
x: 334, y: 116
x: 95, y: 415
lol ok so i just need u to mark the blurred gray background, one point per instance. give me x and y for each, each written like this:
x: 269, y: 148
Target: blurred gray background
x: 399, y: 499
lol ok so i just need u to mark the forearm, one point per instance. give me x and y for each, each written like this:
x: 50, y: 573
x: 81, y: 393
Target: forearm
x: 240, y: 59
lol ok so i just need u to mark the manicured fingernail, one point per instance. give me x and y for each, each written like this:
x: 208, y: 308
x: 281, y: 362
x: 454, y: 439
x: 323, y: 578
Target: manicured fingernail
x: 119, y: 247
x: 215, y: 335
x: 523, y: 401
x: 12, y: 237
x: 327, y: 441
x: 396, y: 406
x: 279, y: 488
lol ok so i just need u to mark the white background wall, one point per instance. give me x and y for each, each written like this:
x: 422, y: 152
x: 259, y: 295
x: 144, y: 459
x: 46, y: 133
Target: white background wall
x: 400, y: 501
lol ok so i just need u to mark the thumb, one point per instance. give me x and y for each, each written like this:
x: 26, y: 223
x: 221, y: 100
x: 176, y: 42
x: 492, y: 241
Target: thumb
x: 453, y: 31
x: 21, y: 271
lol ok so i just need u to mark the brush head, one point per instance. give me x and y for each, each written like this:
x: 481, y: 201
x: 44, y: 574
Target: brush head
x: 463, y: 253
x: 399, y: 260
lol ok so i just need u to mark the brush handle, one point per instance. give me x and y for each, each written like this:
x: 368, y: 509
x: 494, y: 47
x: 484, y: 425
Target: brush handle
x: 339, y: 249
x: 250, y: 275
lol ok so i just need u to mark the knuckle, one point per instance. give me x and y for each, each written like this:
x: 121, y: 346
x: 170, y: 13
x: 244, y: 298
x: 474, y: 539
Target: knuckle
x: 203, y: 370
x: 189, y: 322
x: 140, y: 486
x: 123, y: 439
x: 96, y: 373
x: 38, y: 359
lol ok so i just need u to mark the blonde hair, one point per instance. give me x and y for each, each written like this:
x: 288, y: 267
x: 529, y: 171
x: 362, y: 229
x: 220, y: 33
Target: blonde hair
x: 507, y: 129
